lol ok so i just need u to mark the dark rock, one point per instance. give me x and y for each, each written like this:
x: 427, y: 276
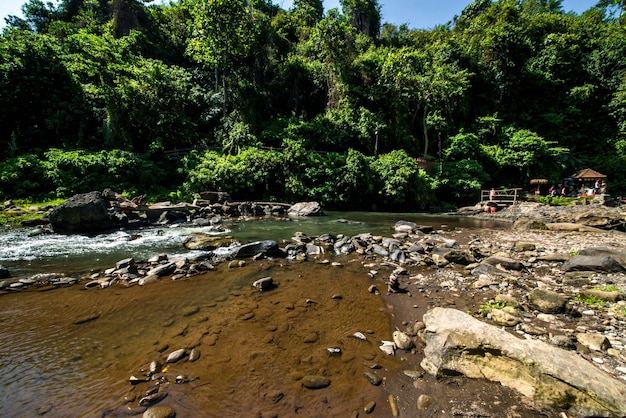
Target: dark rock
x: 4, y: 273
x: 216, y: 197
x: 593, y: 263
x: 81, y: 213
x: 267, y: 247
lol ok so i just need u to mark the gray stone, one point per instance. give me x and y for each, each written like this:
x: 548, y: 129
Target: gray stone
x: 505, y: 262
x: 593, y: 263
x: 458, y: 343
x: 162, y: 270
x: 267, y: 247
x: 305, y: 209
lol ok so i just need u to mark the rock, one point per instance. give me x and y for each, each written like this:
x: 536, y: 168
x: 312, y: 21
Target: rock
x: 174, y: 356
x: 267, y: 247
x: 620, y: 256
x: 424, y: 402
x: 522, y: 246
x: 603, y: 295
x: 4, y: 273
x: 373, y: 378
x: 595, y: 342
x: 547, y: 301
x: 81, y: 213
x: 505, y: 262
x: 571, y: 227
x: 402, y: 341
x: 202, y: 241
x: 504, y: 318
x: 315, y: 382
x: 263, y: 284
x: 159, y: 411
x: 459, y: 257
x: 162, y: 270
x: 527, y: 224
x: 216, y: 197
x: 459, y: 343
x: 305, y: 209
x: 593, y: 263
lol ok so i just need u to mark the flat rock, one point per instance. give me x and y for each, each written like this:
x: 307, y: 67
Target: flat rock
x: 593, y: 263
x: 458, y: 343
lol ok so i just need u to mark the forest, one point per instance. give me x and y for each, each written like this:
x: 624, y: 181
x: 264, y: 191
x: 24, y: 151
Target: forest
x: 305, y: 104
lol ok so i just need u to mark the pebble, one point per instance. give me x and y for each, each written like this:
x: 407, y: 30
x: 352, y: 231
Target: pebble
x: 159, y: 411
x: 315, y: 382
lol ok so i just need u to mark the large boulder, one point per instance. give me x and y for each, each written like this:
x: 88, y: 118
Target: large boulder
x: 305, y: 209
x: 458, y: 343
x: 82, y: 213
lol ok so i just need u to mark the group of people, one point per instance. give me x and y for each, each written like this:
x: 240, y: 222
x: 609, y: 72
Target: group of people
x: 599, y: 187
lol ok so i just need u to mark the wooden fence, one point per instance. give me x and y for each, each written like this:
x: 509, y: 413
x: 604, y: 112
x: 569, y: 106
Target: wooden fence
x: 502, y: 196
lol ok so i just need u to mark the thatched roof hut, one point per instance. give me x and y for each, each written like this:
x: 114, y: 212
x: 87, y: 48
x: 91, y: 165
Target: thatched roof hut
x: 588, y: 174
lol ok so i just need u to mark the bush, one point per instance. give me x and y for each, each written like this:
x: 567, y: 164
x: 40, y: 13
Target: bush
x: 72, y: 172
x: 23, y: 177
x: 250, y: 174
x: 400, y: 182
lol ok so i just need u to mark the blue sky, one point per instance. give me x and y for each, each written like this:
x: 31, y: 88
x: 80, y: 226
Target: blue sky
x: 420, y: 14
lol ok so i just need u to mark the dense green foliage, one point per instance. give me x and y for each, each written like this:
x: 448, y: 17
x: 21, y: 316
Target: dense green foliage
x: 94, y: 92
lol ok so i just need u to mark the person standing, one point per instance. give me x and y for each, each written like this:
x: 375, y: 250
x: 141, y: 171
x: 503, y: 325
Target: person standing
x: 492, y: 194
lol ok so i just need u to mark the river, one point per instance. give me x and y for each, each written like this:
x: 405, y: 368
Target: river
x: 70, y: 351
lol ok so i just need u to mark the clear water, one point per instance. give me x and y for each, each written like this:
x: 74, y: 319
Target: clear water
x: 24, y: 255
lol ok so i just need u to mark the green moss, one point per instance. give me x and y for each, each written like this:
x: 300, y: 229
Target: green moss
x: 589, y: 300
x: 486, y: 307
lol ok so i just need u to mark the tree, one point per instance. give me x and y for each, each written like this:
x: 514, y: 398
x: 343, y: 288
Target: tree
x: 222, y: 34
x: 429, y: 84
x: 364, y: 15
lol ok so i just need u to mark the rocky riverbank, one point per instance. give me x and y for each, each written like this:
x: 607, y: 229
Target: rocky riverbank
x: 537, y: 308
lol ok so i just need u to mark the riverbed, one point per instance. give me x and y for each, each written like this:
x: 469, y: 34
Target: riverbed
x: 71, y: 351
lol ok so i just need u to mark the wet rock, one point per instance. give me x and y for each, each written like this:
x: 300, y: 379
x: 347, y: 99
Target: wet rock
x: 424, y: 402
x: 267, y: 247
x: 208, y: 242
x: 263, y: 284
x: 315, y: 382
x: 373, y: 378
x: 459, y: 343
x: 547, y: 301
x: 4, y: 273
x: 159, y: 411
x: 175, y: 356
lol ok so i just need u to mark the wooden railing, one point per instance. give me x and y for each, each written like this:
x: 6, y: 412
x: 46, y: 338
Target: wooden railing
x: 502, y: 196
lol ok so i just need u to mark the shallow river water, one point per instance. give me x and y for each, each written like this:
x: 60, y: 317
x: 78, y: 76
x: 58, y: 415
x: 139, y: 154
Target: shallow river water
x: 70, y: 351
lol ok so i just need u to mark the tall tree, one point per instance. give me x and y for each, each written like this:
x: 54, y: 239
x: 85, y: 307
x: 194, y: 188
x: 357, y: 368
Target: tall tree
x: 364, y: 15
